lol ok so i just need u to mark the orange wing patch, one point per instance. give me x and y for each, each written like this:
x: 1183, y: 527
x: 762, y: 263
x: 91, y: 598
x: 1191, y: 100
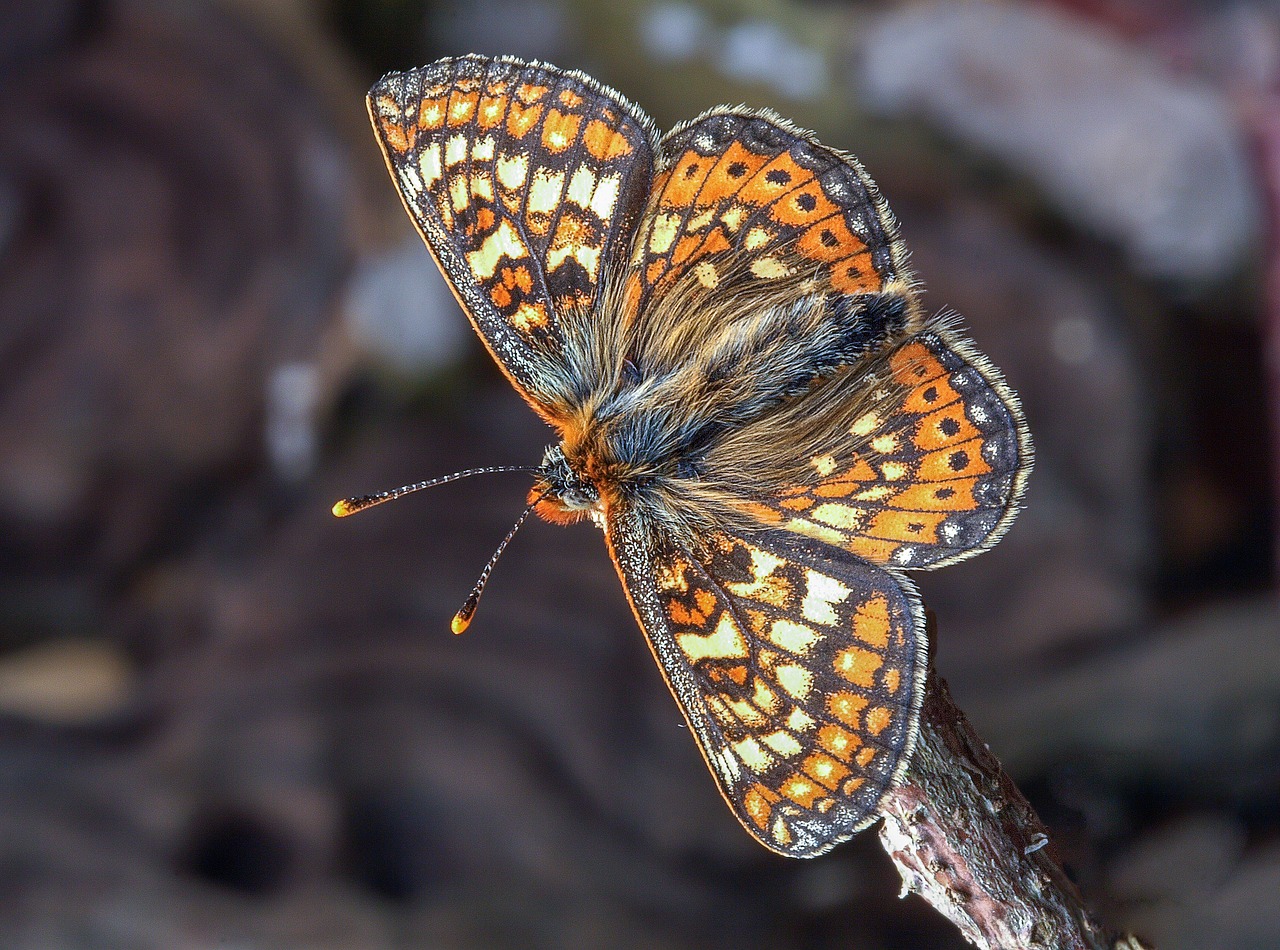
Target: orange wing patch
x: 789, y: 661
x: 746, y: 182
x: 934, y: 467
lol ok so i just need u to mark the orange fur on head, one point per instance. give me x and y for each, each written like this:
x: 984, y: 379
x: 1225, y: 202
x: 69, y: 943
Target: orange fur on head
x: 550, y: 509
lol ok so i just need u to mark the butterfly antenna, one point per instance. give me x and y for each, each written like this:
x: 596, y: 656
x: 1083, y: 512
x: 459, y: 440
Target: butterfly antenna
x: 462, y: 619
x: 349, y: 506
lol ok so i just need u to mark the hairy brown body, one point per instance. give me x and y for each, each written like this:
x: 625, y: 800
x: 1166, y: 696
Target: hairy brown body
x: 689, y: 413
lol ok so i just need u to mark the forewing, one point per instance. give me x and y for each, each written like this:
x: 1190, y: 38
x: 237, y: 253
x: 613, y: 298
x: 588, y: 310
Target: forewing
x: 525, y: 181
x: 740, y: 193
x: 928, y: 469
x: 799, y: 668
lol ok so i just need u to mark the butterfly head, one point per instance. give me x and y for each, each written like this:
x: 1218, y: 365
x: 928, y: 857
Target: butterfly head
x: 563, y: 494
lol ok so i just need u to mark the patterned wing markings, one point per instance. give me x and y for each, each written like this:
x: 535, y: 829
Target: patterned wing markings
x: 938, y: 463
x: 526, y: 182
x: 799, y: 668
x: 740, y: 321
x: 737, y: 186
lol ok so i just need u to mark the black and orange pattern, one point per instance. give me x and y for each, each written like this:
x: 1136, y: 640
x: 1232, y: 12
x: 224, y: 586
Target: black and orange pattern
x: 797, y: 669
x: 721, y: 328
x: 927, y: 474
x: 740, y: 180
x: 525, y: 182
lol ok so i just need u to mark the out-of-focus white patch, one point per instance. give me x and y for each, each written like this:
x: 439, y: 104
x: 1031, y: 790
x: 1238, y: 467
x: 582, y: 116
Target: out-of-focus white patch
x: 1126, y: 147
x: 760, y: 51
x: 292, y: 392
x: 673, y: 32
x: 753, y: 51
x: 70, y: 682
x: 400, y: 311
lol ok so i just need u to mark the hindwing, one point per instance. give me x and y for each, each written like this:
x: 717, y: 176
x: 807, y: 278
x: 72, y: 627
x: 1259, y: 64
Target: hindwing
x: 799, y: 668
x: 928, y: 470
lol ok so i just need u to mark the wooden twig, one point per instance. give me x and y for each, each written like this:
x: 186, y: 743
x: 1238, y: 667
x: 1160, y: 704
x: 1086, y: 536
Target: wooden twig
x: 966, y: 840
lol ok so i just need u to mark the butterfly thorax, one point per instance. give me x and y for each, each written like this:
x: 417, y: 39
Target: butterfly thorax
x: 659, y: 417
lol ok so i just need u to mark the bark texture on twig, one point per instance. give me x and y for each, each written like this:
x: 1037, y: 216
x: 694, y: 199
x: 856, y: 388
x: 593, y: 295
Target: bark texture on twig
x: 966, y: 840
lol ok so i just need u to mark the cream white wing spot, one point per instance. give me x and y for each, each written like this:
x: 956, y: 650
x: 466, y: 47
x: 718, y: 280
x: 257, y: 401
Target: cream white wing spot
x: 800, y: 721
x: 663, y: 233
x: 865, y: 424
x: 545, y: 191
x: 783, y: 743
x: 796, y: 680
x: 752, y: 754
x: 791, y: 636
x: 707, y: 275
x: 503, y: 242
x: 455, y: 150
x: 513, y: 171
x: 724, y: 643
x: 429, y: 164
x: 581, y: 186
x: 822, y: 594
x: 605, y: 198
x: 847, y: 517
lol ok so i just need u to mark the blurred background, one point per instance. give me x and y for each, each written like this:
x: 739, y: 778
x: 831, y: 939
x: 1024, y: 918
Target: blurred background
x: 229, y: 720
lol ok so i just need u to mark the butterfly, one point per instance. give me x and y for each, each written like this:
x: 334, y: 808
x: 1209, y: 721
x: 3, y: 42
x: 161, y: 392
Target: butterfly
x: 720, y: 327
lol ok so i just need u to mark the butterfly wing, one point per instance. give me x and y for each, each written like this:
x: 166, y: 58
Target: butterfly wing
x: 930, y: 468
x: 526, y: 182
x: 743, y: 192
x: 799, y: 668
x: 924, y: 467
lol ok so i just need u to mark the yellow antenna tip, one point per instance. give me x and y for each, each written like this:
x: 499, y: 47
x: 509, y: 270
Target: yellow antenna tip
x: 459, y: 623
x: 342, y: 508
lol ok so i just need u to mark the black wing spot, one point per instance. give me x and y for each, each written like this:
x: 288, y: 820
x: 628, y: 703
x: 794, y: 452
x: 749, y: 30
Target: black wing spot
x: 778, y: 176
x: 930, y: 394
x: 828, y: 239
x: 807, y: 202
x: 948, y: 427
x: 942, y: 494
x: 958, y: 460
x: 737, y: 170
